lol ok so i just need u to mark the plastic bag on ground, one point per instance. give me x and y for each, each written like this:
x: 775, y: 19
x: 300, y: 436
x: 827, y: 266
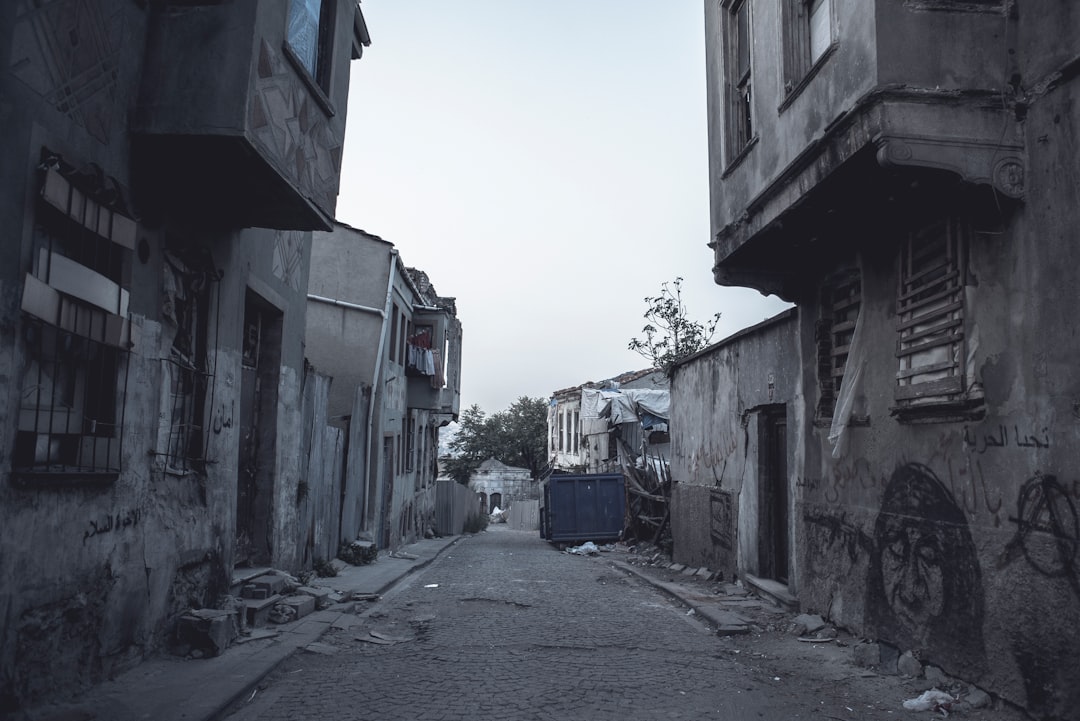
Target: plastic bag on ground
x: 930, y: 700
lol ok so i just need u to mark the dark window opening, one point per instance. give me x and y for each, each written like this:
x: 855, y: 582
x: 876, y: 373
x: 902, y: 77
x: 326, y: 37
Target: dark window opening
x: 187, y: 380
x: 841, y: 300
x: 740, y: 87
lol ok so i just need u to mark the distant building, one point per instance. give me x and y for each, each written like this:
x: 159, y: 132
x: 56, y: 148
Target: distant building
x: 594, y: 427
x: 905, y: 172
x: 165, y: 164
x: 393, y: 348
x: 499, y: 485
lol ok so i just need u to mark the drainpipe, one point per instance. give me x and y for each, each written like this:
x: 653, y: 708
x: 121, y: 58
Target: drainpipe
x: 375, y: 385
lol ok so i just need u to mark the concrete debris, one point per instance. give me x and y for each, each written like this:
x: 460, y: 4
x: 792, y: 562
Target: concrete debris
x: 321, y: 595
x: 362, y: 596
x: 302, y: 605
x: 808, y: 623
x: 935, y: 676
x: 909, y: 666
x: 206, y: 631
x: 867, y: 655
x: 977, y: 698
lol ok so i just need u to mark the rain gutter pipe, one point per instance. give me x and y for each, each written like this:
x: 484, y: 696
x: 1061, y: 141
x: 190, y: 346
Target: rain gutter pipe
x: 385, y: 313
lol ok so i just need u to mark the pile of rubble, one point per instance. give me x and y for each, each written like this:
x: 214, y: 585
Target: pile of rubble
x: 262, y: 598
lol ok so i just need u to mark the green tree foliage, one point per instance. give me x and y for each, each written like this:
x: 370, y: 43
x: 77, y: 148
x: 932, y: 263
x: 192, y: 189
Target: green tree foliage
x: 669, y: 335
x: 516, y: 437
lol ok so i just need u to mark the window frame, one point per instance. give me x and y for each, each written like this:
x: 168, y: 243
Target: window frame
x: 184, y: 437
x: 319, y: 79
x: 841, y: 301
x: 737, y: 33
x: 931, y: 321
x: 75, y: 331
x: 799, y: 63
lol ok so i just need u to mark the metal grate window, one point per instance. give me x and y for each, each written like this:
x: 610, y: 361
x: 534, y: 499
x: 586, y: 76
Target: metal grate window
x: 76, y: 335
x: 187, y: 381
x: 930, y: 315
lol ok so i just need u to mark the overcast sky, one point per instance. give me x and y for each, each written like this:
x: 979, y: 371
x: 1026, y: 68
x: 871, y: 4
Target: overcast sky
x: 546, y: 164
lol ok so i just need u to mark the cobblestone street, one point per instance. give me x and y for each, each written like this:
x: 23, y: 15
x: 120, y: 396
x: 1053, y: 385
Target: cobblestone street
x: 502, y: 625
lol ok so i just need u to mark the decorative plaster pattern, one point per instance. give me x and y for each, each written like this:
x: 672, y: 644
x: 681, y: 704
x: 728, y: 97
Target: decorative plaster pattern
x: 67, y: 51
x: 291, y: 128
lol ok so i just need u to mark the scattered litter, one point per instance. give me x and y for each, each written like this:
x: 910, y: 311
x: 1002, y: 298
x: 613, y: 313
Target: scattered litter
x: 930, y: 700
x: 432, y: 585
x: 775, y: 678
x: 404, y: 555
x: 253, y: 692
x: 690, y: 612
x: 586, y: 549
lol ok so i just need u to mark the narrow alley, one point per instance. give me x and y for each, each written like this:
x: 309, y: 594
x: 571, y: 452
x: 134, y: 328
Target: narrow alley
x: 503, y: 625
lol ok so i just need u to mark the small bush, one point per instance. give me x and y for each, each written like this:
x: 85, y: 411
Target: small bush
x: 476, y: 522
x: 324, y: 569
x: 357, y: 553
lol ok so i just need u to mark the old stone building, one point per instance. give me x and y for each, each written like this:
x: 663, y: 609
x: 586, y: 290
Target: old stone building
x: 393, y: 347
x: 905, y: 172
x: 165, y: 164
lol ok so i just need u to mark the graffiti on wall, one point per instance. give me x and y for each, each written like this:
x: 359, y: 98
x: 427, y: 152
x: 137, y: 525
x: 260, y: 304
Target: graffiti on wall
x: 1001, y: 437
x: 1047, y: 530
x: 924, y: 585
x: 721, y: 518
x: 111, y: 523
x: 836, y: 532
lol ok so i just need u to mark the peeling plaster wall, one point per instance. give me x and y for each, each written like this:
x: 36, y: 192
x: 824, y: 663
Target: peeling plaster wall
x: 92, y: 577
x: 715, y: 399
x: 958, y: 539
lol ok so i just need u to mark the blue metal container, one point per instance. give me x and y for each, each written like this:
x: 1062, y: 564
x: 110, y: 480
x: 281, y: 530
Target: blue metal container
x: 585, y: 507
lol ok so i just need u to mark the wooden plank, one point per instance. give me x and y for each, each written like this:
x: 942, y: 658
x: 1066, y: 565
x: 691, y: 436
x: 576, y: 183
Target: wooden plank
x: 40, y: 301
x: 941, y: 387
x: 76, y: 280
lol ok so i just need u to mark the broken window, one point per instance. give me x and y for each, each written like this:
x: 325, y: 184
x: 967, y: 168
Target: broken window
x: 841, y: 299
x: 76, y: 332
x: 930, y: 315
x: 739, y: 91
x: 188, y: 274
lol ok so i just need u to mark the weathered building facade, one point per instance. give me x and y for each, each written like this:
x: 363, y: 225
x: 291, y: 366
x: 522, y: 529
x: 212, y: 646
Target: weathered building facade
x: 165, y: 164
x: 393, y: 348
x: 730, y: 405
x: 597, y: 426
x: 905, y: 172
x: 498, y: 485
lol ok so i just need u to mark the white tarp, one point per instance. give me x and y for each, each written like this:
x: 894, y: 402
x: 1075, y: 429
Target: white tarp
x: 629, y: 405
